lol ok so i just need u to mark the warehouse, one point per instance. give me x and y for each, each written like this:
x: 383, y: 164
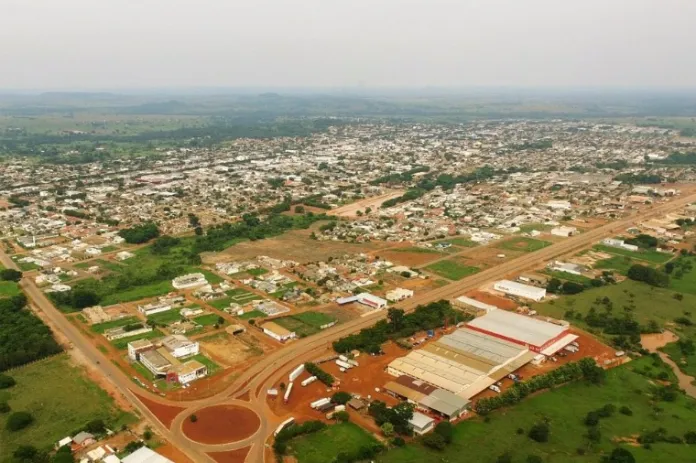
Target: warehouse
x: 512, y: 288
x: 534, y: 334
x: 464, y: 363
x: 472, y: 306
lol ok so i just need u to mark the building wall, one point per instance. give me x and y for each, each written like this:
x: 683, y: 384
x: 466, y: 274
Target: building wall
x: 191, y: 349
x: 531, y: 347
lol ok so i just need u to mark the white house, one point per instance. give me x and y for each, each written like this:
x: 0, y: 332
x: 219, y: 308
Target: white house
x: 179, y: 345
x: 192, y: 280
x: 371, y: 300
x: 151, y: 309
x: 564, y: 231
x: 621, y: 244
x: 190, y: 371
x: 421, y: 423
x: 399, y: 294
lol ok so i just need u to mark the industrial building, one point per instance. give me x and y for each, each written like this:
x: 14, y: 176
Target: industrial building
x: 192, y: 280
x: 367, y: 299
x: 277, y: 332
x: 464, y: 363
x: 472, y: 306
x: 426, y: 397
x: 536, y: 335
x: 512, y: 288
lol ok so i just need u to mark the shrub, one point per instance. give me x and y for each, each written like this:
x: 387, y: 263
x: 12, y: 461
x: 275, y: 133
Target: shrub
x: 445, y: 429
x: 591, y: 419
x: 620, y: 455
x: 342, y: 416
x: 6, y: 381
x: 4, y: 407
x: 387, y: 429
x: 314, y: 370
x: 193, y: 418
x: 606, y: 411
x: 534, y: 459
x: 434, y: 441
x: 626, y: 411
x: 539, y: 432
x: 504, y: 458
x: 398, y: 441
x: 341, y: 398
x: 690, y: 437
x: 96, y: 427
x: 18, y: 421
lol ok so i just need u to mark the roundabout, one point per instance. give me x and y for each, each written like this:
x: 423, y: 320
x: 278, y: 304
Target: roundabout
x: 221, y: 424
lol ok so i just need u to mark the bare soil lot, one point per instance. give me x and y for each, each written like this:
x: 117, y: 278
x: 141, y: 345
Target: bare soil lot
x: 410, y: 258
x: 221, y: 424
x: 228, y: 350
x: 350, y: 210
x: 232, y: 456
x: 295, y: 245
x: 488, y: 298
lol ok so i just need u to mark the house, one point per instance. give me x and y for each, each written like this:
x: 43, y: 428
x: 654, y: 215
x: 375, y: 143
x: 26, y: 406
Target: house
x: 126, y: 331
x: 190, y: 371
x: 84, y: 439
x: 138, y: 346
x: 421, y: 423
x: 192, y: 280
x: 399, y: 294
x: 151, y: 309
x: 156, y: 361
x: 277, y: 332
x: 179, y: 345
x: 621, y: 244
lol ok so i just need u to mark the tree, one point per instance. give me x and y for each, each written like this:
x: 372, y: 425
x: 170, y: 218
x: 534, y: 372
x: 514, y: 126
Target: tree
x: 220, y: 321
x: 82, y: 298
x: 504, y: 458
x: 396, y: 318
x: 299, y: 209
x: 147, y: 434
x: 539, y: 432
x: 18, y: 421
x: 446, y: 430
x: 193, y: 418
x: 96, y: 427
x: 9, y: 274
x: 434, y: 441
x: 6, y: 381
x: 25, y: 453
x: 4, y: 407
x: 387, y: 429
x: 620, y: 455
x: 64, y: 455
x: 341, y: 398
x: 534, y: 459
x: 198, y: 231
x: 648, y: 275
x: 132, y: 446
x: 342, y: 416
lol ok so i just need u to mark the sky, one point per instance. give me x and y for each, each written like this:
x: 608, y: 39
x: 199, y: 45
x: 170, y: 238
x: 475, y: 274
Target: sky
x: 99, y: 44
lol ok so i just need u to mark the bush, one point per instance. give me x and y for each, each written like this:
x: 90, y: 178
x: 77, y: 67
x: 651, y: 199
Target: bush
x: 9, y: 274
x: 434, y: 441
x: 626, y: 411
x: 18, y: 421
x: 445, y: 429
x: 314, y: 370
x: 648, y: 275
x: 591, y: 419
x: 606, y: 411
x: 342, y: 416
x: 620, y: 455
x: 387, y: 429
x: 398, y: 441
x: 193, y: 418
x: 133, y: 446
x: 341, y: 398
x: 504, y: 458
x: 534, y: 459
x: 6, y: 381
x: 96, y: 427
x: 539, y: 432
x: 4, y: 407
x: 690, y: 437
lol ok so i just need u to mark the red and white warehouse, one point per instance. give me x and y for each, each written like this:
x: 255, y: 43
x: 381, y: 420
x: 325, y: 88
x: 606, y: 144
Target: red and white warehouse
x: 536, y: 335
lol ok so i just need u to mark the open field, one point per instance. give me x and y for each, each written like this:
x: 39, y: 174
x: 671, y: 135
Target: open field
x: 522, y: 243
x: 583, y: 280
x: 650, y: 303
x: 350, y: 210
x: 159, y: 288
x: 212, y: 366
x: 101, y: 327
x: 294, y: 245
x: 253, y: 314
x: 326, y: 444
x: 564, y: 408
x: 228, y: 350
x: 166, y: 318
x: 60, y: 399
x: 460, y: 241
x: 452, y: 269
x: 411, y: 256
x: 9, y: 289
x: 654, y: 257
x: 619, y: 264
x: 207, y: 320
x: 304, y: 324
x: 683, y: 281
x: 528, y: 227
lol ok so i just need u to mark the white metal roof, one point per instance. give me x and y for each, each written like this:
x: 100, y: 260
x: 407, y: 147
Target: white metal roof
x: 522, y: 328
x: 481, y: 345
x: 145, y: 455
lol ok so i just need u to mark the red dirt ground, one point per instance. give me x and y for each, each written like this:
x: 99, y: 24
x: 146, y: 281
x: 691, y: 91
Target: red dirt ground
x: 221, y: 424
x: 232, y: 456
x: 410, y: 259
x: 173, y: 453
x: 165, y: 413
x: 488, y: 298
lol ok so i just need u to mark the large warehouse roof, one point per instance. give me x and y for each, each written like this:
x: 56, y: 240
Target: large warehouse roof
x: 520, y: 328
x: 493, y: 351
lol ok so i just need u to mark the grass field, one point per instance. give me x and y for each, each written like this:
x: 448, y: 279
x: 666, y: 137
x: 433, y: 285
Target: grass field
x: 619, y: 264
x: 565, y: 408
x: 686, y: 363
x: 528, y: 227
x: 242, y: 296
x: 257, y: 271
x: 461, y: 242
x: 648, y: 256
x: 253, y: 314
x: 27, y: 266
x: 650, y: 303
x: 101, y: 327
x: 326, y: 444
x: 166, y: 318
x: 207, y: 320
x: 522, y: 243
x: 417, y: 249
x: 304, y: 324
x: 221, y: 303
x: 60, y: 399
x: 159, y: 288
x: 123, y: 342
x: 9, y: 289
x: 684, y: 282
x: 583, y: 280
x: 452, y: 269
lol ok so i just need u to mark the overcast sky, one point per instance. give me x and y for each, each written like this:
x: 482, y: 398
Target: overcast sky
x: 90, y: 44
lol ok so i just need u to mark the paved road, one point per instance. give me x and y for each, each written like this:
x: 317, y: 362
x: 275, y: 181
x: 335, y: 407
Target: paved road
x: 265, y: 373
